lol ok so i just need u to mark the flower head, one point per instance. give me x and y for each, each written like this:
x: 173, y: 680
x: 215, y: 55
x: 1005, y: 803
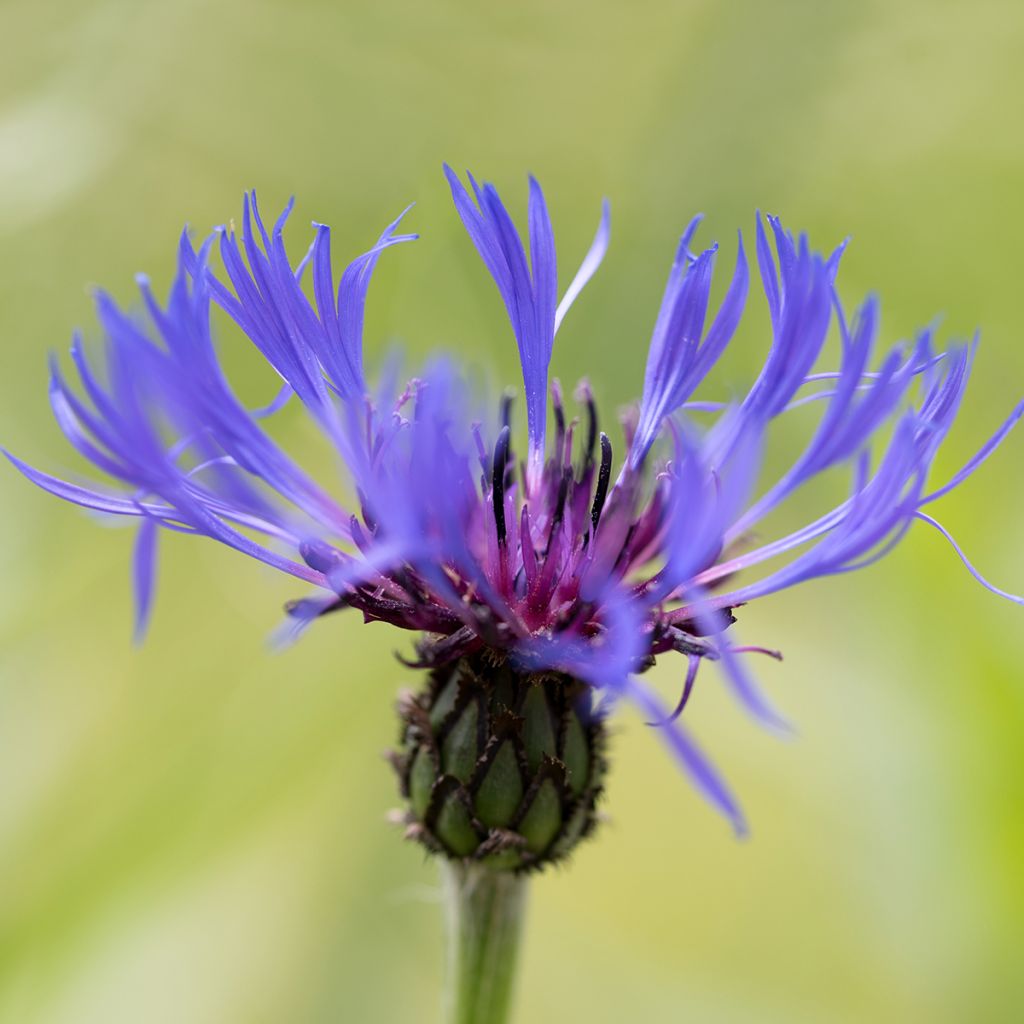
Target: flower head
x: 579, y: 555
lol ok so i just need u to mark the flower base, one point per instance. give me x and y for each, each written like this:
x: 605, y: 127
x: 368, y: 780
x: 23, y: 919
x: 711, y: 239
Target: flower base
x: 499, y: 767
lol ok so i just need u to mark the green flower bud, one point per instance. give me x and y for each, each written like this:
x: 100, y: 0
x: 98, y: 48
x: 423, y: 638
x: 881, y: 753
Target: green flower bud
x: 500, y: 766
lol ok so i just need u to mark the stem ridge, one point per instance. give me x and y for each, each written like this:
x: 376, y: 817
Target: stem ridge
x: 484, y: 911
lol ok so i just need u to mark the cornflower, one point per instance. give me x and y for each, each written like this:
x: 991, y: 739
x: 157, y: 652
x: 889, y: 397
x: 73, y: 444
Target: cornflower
x: 542, y: 581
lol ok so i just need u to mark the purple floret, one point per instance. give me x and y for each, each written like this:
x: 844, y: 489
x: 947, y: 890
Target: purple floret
x: 560, y: 557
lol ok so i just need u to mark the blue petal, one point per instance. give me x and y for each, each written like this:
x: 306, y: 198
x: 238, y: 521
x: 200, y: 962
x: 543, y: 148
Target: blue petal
x: 689, y: 756
x: 678, y: 361
x: 1016, y: 598
x: 593, y: 259
x: 529, y: 292
x: 144, y: 575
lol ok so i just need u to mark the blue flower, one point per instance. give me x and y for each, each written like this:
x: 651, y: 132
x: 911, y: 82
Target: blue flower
x: 562, y: 560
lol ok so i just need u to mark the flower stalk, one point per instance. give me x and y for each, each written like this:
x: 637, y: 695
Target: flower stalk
x: 484, y: 911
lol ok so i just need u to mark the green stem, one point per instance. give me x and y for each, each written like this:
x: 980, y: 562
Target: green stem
x: 484, y: 910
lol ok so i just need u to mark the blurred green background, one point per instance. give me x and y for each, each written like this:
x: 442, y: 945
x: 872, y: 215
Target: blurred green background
x: 194, y: 831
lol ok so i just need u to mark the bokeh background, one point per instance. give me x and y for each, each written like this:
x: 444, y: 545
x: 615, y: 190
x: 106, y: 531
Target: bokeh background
x: 194, y: 831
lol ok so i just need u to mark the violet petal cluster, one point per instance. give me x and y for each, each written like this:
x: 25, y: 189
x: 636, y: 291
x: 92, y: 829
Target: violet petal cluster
x: 558, y: 557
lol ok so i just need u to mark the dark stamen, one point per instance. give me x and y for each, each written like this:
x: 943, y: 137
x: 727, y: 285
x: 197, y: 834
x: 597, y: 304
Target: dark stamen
x: 506, y: 409
x: 559, y: 410
x: 498, y: 481
x: 563, y: 494
x: 603, y: 476
x: 588, y: 459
